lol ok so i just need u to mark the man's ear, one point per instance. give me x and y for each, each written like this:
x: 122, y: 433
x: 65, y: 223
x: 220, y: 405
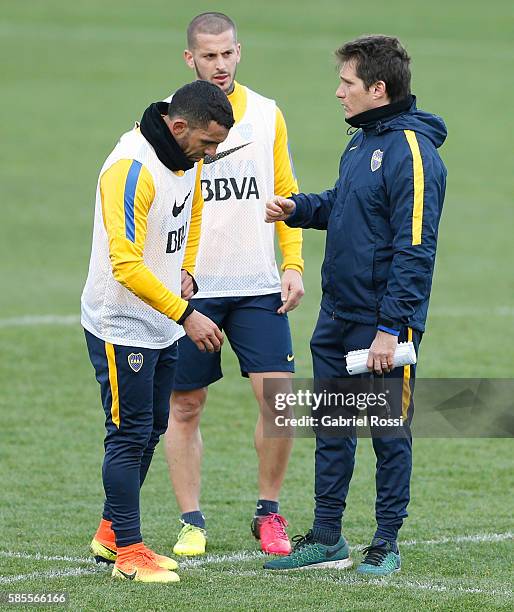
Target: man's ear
x: 379, y: 90
x: 178, y: 126
x: 188, y: 58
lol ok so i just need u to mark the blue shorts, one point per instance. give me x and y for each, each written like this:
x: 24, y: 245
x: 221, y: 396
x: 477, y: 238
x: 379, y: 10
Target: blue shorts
x: 259, y: 336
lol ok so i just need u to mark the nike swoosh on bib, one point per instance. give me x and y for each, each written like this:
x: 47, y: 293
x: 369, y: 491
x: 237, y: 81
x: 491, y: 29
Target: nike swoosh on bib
x: 210, y: 159
x: 178, y: 209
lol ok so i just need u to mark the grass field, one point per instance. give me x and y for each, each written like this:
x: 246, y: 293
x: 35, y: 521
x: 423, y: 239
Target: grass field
x: 75, y: 76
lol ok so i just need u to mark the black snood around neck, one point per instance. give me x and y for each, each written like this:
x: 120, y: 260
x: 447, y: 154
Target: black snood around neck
x: 155, y: 130
x: 370, y: 118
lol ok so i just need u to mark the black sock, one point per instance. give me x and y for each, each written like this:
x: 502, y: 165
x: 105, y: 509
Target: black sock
x: 326, y: 535
x: 379, y: 541
x: 195, y: 518
x: 266, y: 506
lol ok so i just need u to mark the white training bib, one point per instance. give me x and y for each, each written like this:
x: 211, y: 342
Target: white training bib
x: 236, y: 256
x: 109, y: 310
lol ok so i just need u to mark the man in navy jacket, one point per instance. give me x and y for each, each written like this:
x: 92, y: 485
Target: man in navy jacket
x: 381, y: 220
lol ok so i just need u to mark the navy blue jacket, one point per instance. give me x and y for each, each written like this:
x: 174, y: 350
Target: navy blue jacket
x: 382, y: 219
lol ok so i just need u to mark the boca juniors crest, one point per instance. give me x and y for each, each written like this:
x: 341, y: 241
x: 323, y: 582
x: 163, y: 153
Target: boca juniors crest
x: 135, y: 361
x: 376, y: 160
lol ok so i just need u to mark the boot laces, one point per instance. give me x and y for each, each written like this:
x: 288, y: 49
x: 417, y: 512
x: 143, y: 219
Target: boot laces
x: 375, y: 554
x: 278, y: 524
x: 150, y: 553
x: 145, y: 557
x: 301, y: 541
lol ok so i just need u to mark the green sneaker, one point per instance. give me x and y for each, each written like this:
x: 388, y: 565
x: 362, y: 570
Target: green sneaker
x: 310, y: 554
x: 381, y: 558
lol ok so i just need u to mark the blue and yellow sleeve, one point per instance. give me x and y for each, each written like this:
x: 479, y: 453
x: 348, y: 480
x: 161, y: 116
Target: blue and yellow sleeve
x: 416, y: 192
x: 127, y: 191
x: 195, y: 226
x: 289, y: 239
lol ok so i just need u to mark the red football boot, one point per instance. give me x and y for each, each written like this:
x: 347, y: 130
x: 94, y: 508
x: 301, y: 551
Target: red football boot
x: 270, y: 530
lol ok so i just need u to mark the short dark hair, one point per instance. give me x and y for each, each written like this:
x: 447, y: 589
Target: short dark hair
x: 379, y: 58
x: 209, y: 23
x: 201, y: 102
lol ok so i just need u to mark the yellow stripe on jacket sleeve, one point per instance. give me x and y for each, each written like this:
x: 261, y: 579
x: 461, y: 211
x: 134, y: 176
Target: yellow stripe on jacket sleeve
x: 419, y: 187
x: 127, y: 192
x: 406, y: 392
x: 113, y: 381
x: 289, y: 238
x: 195, y: 226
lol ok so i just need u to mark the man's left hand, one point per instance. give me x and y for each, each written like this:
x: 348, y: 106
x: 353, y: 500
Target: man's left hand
x: 186, y: 285
x: 381, y: 353
x: 292, y: 290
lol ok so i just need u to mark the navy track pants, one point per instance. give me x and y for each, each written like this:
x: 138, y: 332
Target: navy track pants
x: 135, y: 386
x: 335, y: 456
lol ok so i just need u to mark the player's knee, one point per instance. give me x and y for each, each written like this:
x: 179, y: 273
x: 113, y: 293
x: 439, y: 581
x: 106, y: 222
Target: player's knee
x: 186, y: 406
x: 272, y: 397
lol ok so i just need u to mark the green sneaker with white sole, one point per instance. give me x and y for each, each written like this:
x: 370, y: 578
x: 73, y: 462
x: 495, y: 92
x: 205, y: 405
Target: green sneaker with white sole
x: 381, y: 558
x: 309, y: 554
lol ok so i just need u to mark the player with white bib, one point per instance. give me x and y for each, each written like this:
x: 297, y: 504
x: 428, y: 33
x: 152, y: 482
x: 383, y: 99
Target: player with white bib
x: 145, y: 239
x: 240, y: 288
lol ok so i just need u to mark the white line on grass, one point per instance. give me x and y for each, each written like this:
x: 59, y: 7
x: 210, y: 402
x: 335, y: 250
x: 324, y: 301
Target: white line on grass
x: 440, y: 586
x: 314, y: 575
x: 51, y: 319
x: 479, y: 537
x: 39, y: 557
x: 49, y: 575
x: 244, y: 555
x: 247, y: 555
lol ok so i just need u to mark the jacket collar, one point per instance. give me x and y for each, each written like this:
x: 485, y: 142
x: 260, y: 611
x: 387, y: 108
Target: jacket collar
x: 155, y: 130
x: 373, y: 118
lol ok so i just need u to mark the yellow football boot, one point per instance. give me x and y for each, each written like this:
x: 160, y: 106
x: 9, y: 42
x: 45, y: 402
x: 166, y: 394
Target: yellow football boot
x: 104, y: 550
x: 136, y: 562
x: 162, y: 561
x: 191, y: 541
x: 103, y: 553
